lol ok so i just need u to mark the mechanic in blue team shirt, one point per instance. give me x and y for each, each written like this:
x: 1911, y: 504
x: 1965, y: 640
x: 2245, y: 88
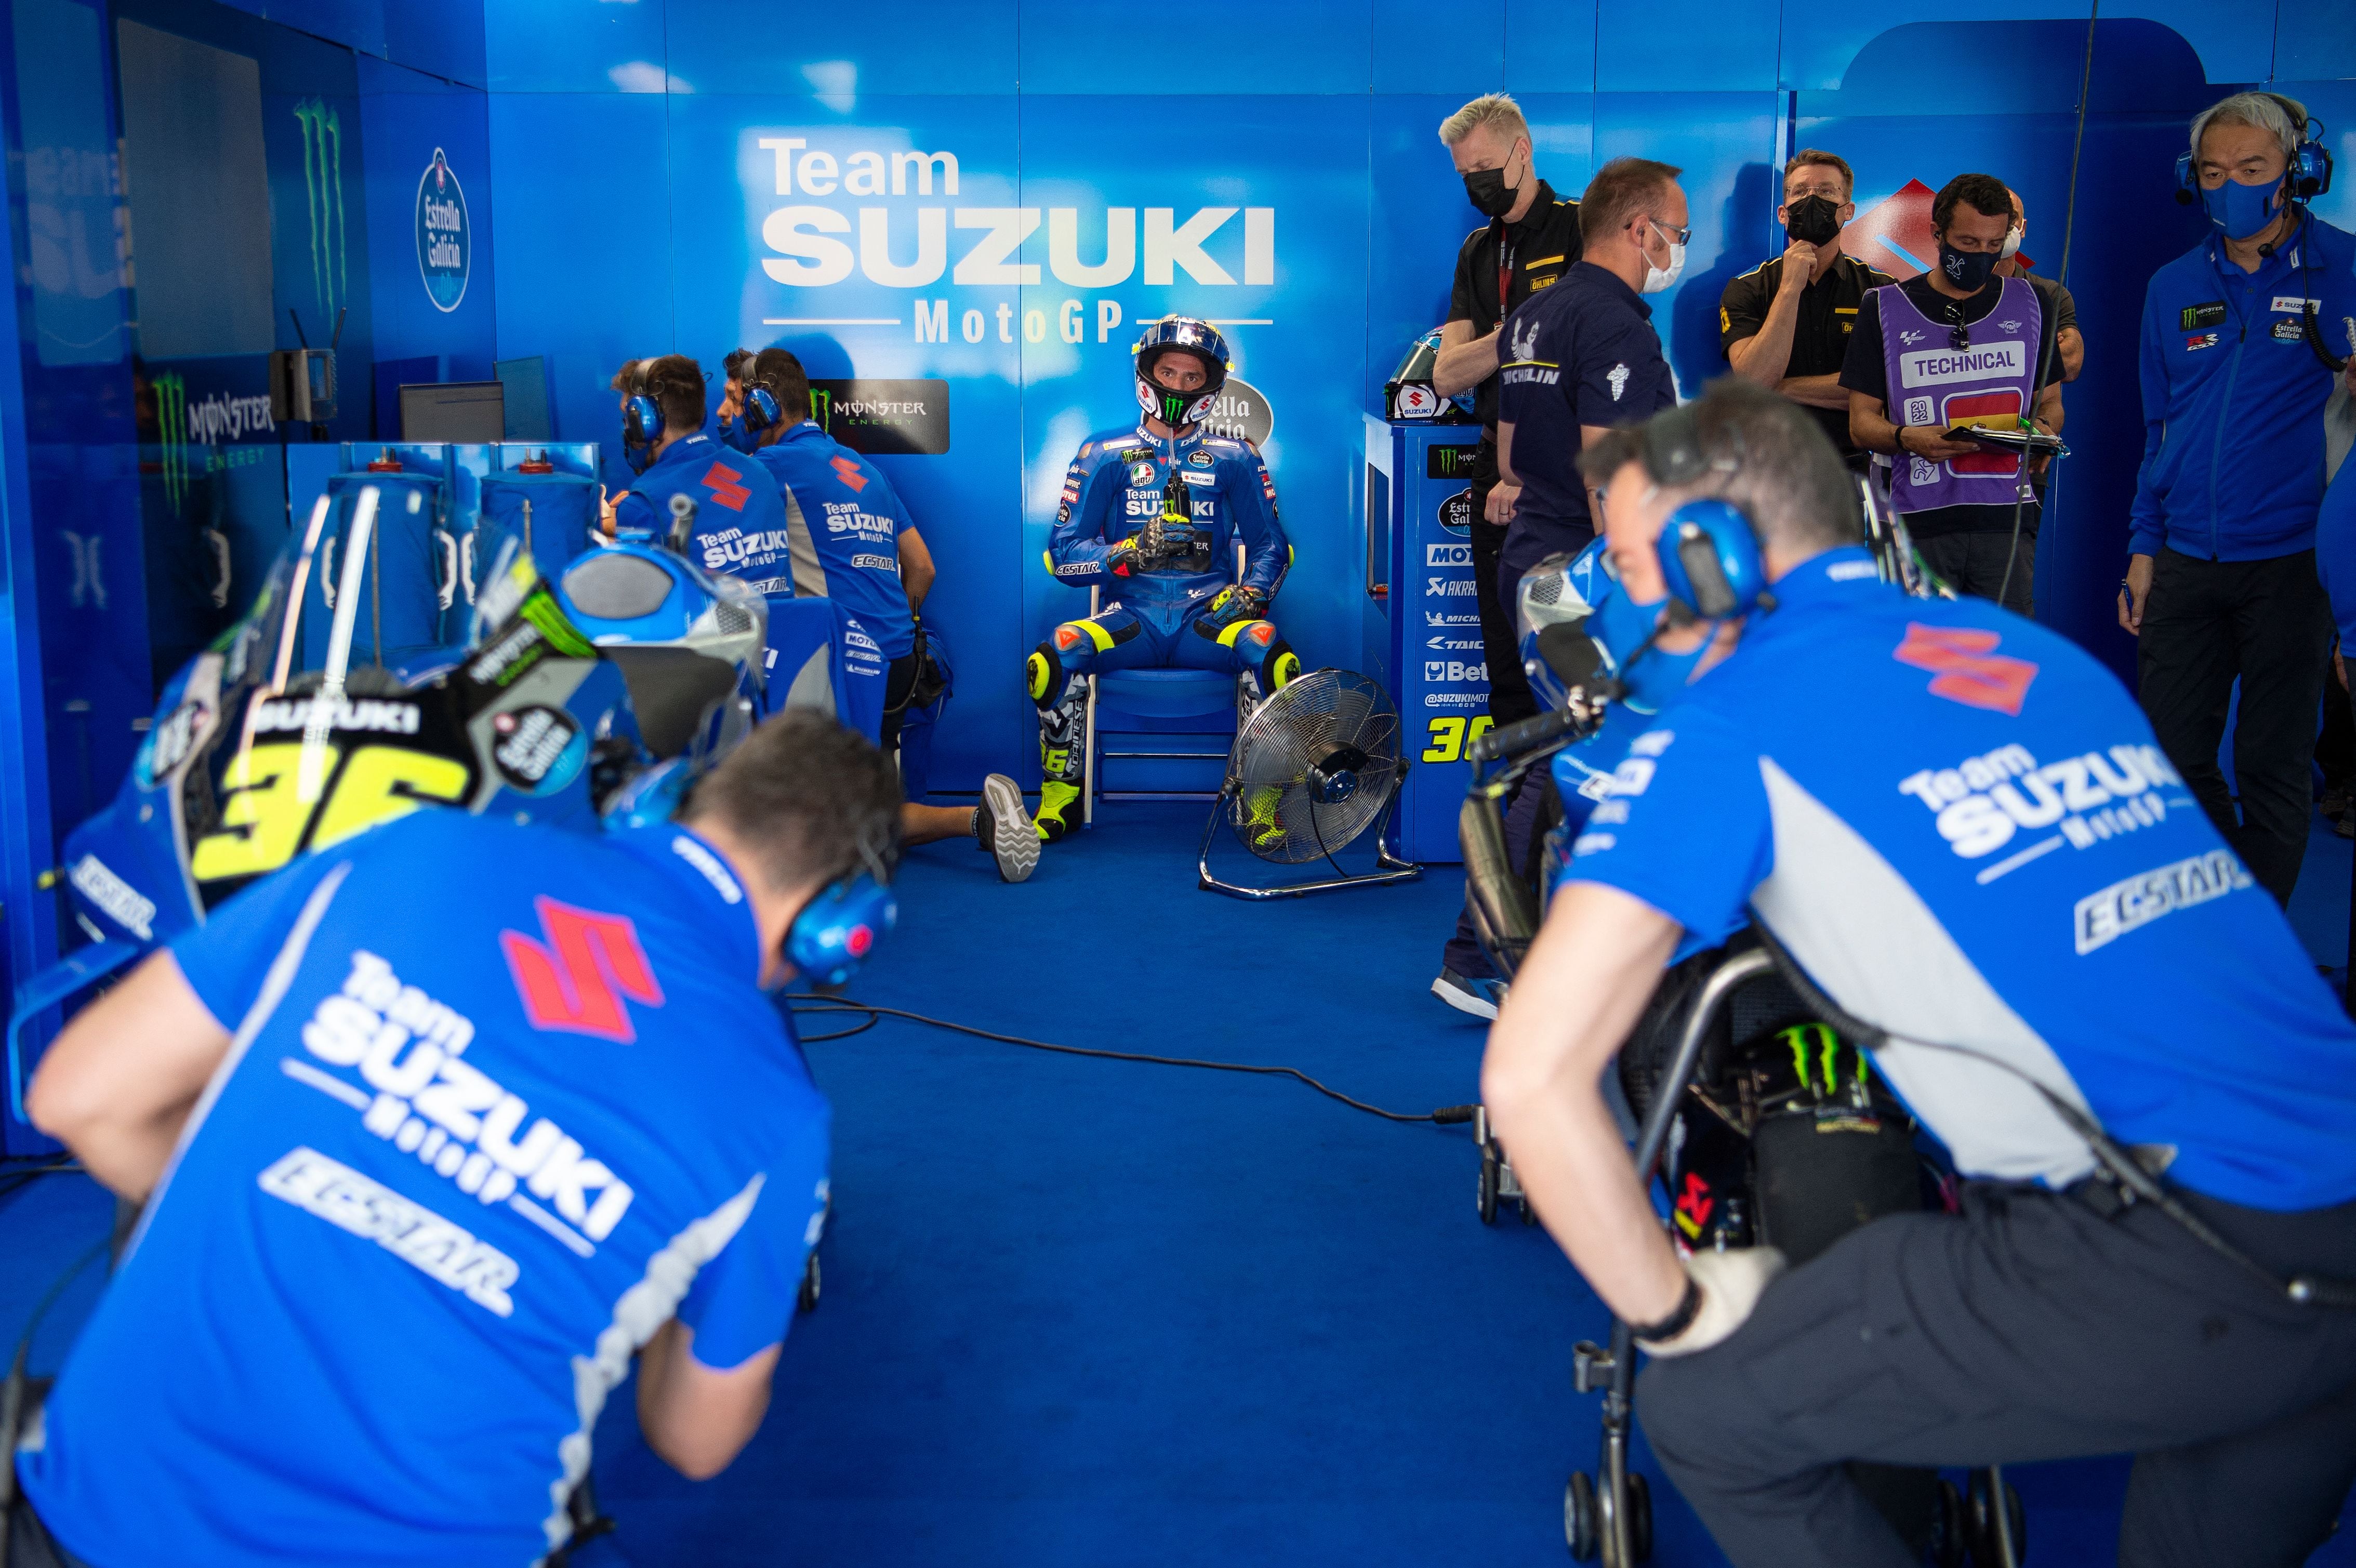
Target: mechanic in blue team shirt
x: 1152, y: 514
x: 504, y: 1107
x: 2223, y: 579
x: 663, y: 439
x: 1961, y: 827
x: 848, y: 538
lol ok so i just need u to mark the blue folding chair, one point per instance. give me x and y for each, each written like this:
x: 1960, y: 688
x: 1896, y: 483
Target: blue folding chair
x: 1162, y: 716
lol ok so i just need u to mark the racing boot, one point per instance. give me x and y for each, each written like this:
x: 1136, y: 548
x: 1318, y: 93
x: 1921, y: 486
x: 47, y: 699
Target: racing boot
x: 1057, y: 799
x: 1062, y: 732
x: 1001, y: 828
x: 1260, y: 823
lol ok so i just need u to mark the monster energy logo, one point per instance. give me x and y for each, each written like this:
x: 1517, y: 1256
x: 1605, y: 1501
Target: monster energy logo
x: 211, y: 420
x: 172, y: 428
x: 323, y: 185
x: 822, y: 407
x: 1802, y: 1038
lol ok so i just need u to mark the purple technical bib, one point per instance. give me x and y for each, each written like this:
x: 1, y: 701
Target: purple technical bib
x: 1931, y: 382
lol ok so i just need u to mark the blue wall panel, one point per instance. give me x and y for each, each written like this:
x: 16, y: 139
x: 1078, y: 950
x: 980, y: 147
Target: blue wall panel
x: 840, y: 54
x: 1463, y: 59
x: 2234, y: 42
x: 580, y: 178
x: 577, y: 46
x: 406, y: 117
x: 1651, y: 47
x: 442, y: 37
x: 1550, y: 47
x: 1212, y: 47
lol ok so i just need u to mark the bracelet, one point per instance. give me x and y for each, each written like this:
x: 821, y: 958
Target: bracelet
x: 1675, y: 1323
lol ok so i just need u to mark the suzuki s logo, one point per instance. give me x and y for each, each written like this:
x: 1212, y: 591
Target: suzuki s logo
x: 577, y: 982
x: 848, y: 472
x: 1969, y: 669
x: 722, y: 481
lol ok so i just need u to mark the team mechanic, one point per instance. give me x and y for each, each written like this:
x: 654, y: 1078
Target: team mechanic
x: 1152, y: 513
x: 1968, y: 837
x: 849, y: 538
x: 478, y: 1137
x: 663, y: 439
x: 1584, y: 356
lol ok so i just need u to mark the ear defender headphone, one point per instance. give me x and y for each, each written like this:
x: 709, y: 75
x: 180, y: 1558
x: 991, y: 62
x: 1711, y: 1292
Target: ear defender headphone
x: 642, y: 425
x: 2309, y: 171
x: 837, y: 929
x: 761, y: 409
x: 1709, y: 551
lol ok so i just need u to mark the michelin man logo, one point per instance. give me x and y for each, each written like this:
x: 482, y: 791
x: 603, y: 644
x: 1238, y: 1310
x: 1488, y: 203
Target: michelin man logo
x: 1525, y: 341
x: 1619, y: 380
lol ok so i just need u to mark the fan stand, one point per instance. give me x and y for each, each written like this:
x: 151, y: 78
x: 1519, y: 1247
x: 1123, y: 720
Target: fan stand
x: 1388, y: 867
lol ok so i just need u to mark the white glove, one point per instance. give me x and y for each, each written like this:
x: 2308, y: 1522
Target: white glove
x: 1731, y: 1282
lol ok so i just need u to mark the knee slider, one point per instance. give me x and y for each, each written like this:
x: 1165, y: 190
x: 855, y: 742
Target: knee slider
x: 1043, y: 676
x: 1279, y: 667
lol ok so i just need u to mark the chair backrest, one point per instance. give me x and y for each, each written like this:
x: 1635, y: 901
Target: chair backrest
x: 411, y: 574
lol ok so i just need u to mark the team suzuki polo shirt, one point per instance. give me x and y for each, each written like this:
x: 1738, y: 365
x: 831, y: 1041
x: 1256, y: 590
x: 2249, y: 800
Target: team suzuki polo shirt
x: 503, y: 1100
x: 1962, y: 827
x: 841, y: 541
x: 739, y: 517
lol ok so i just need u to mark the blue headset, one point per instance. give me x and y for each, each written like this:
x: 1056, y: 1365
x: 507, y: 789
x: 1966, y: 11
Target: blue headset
x: 2311, y: 163
x: 642, y: 425
x: 837, y: 929
x: 1707, y: 549
x: 761, y: 409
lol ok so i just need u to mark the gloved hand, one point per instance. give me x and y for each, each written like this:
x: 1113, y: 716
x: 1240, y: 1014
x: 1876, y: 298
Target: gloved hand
x: 1124, y: 555
x: 1237, y: 604
x: 1731, y: 1282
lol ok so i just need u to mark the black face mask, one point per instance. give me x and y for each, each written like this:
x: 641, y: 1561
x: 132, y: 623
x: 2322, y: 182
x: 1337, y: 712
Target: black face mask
x: 1967, y: 270
x: 1813, y: 219
x: 1485, y: 188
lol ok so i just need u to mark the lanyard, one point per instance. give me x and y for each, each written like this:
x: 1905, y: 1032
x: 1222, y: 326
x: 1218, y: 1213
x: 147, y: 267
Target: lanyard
x: 1505, y: 273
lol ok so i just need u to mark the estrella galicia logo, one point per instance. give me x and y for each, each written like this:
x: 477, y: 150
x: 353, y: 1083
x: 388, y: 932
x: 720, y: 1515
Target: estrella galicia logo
x: 444, y: 245
x: 1456, y: 512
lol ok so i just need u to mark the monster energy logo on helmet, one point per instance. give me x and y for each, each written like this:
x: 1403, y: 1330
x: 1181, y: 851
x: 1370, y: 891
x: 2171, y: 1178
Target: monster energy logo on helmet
x: 323, y: 185
x: 1172, y: 334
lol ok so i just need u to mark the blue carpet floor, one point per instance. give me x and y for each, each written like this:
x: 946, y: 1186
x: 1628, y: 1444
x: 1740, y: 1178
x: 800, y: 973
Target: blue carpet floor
x: 1081, y: 1312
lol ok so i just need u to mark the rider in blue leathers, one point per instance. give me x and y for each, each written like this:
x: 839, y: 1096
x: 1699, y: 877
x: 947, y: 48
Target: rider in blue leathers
x: 1152, y: 513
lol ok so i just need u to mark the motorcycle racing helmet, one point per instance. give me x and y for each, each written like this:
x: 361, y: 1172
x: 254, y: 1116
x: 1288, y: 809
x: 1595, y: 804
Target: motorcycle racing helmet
x: 1552, y: 607
x: 1181, y: 334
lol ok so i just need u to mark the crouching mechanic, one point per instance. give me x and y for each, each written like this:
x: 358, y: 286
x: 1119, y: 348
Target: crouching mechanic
x: 474, y: 1142
x: 1968, y: 837
x: 1151, y: 515
x: 848, y: 538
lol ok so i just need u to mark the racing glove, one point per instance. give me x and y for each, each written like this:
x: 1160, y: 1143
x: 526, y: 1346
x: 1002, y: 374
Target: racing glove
x: 1237, y: 604
x: 1731, y: 1282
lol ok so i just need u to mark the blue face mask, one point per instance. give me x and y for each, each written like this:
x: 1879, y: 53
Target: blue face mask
x: 2238, y: 211
x: 1654, y: 676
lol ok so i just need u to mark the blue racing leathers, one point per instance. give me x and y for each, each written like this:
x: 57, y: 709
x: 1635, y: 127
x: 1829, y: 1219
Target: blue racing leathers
x: 1154, y: 521
x: 2233, y: 397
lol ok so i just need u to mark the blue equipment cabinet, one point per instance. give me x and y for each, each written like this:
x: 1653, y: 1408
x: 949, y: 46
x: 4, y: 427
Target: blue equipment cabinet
x: 1419, y: 527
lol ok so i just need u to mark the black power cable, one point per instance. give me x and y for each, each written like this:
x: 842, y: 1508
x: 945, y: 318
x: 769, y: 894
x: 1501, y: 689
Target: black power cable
x: 818, y: 1006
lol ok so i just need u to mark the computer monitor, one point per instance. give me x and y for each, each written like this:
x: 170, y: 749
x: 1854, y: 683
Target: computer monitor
x: 454, y: 411
x: 526, y: 384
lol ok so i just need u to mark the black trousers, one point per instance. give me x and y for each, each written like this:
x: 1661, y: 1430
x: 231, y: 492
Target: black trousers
x: 2268, y: 623
x: 1509, y: 690
x: 2030, y: 1326
x: 899, y: 679
x: 30, y: 1545
x: 1976, y: 564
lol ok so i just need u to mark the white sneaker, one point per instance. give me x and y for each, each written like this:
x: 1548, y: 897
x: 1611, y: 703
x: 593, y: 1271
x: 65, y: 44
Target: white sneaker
x: 1478, y: 997
x: 1002, y: 827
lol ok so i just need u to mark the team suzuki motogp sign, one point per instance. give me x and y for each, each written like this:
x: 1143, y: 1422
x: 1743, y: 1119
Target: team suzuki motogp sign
x: 833, y: 216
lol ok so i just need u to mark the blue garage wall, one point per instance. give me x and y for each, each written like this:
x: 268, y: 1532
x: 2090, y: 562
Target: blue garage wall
x: 637, y: 211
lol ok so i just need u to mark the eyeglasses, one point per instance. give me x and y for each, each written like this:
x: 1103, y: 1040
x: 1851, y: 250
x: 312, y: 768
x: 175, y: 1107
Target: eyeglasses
x: 1959, y: 336
x: 1674, y: 236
